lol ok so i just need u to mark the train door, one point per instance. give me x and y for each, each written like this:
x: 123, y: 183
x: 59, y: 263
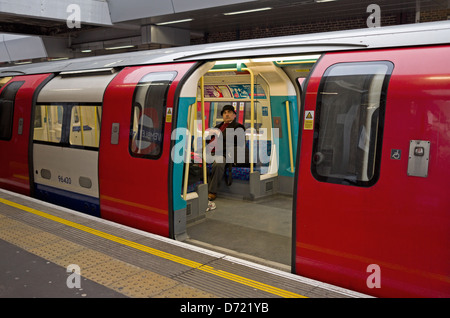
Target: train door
x: 371, y: 210
x: 16, y: 100
x: 66, y: 133
x: 135, y: 147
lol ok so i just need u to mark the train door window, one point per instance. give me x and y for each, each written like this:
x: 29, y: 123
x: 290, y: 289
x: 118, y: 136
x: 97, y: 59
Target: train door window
x: 4, y: 80
x: 257, y: 115
x: 242, y: 109
x: 7, y: 98
x: 48, y: 120
x: 216, y: 110
x: 148, y: 115
x: 85, y: 126
x: 349, y: 121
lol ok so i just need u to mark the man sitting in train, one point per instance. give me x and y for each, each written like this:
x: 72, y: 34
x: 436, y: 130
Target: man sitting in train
x: 230, y: 148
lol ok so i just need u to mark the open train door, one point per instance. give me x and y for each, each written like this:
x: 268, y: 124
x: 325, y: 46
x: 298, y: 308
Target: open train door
x: 16, y: 100
x: 135, y: 147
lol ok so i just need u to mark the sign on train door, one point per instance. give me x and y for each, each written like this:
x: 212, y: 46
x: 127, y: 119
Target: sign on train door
x: 16, y: 100
x: 135, y: 147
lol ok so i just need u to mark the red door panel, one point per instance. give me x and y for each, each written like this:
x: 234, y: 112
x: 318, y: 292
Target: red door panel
x: 14, y: 164
x: 400, y: 222
x: 133, y: 172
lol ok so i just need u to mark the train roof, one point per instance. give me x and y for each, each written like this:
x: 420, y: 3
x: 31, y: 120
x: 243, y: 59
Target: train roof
x: 432, y: 33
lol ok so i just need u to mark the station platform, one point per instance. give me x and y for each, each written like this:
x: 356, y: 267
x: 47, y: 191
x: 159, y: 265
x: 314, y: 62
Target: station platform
x: 53, y: 252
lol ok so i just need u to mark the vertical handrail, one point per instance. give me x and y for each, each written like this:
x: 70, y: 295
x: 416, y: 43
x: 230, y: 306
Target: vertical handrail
x: 47, y: 118
x: 81, y: 126
x: 195, y: 127
x: 288, y: 119
x: 97, y: 143
x: 252, y: 106
x: 202, y: 92
x: 188, y: 152
x: 252, y: 118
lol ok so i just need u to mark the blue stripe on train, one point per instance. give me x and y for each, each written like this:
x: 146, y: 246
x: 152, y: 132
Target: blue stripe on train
x: 71, y: 200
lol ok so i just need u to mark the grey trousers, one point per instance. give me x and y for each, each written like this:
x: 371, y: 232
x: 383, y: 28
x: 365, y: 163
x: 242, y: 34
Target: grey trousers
x: 217, y: 171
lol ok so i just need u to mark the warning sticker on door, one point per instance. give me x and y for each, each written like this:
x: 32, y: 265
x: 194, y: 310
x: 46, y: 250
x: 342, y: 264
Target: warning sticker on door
x: 309, y: 120
x: 169, y: 115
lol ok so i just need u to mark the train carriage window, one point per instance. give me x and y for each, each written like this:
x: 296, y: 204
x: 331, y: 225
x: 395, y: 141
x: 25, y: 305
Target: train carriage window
x: 4, y: 80
x: 7, y: 99
x: 85, y: 126
x: 215, y: 112
x: 48, y: 123
x: 243, y: 109
x: 257, y: 109
x: 349, y: 123
x: 148, y: 115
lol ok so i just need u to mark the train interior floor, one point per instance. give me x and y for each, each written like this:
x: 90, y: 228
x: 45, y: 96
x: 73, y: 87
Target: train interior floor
x: 259, y: 231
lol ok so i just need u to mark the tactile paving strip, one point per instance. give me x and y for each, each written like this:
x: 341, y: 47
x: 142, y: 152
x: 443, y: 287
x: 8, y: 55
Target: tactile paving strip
x: 122, y: 277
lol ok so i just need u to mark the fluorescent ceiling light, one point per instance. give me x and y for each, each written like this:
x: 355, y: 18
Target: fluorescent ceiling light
x: 86, y: 51
x: 176, y: 21
x: 58, y: 59
x: 319, y: 1
x: 119, y: 47
x: 248, y: 11
x: 227, y: 62
x: 287, y: 58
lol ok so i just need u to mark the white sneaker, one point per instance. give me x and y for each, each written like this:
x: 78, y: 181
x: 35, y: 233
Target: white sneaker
x: 211, y: 206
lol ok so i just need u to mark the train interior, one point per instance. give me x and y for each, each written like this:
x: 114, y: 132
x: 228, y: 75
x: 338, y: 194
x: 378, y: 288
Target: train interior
x: 252, y: 217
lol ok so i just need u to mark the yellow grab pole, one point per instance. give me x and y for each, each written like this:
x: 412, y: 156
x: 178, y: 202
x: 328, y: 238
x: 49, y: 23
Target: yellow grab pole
x: 288, y: 118
x: 96, y: 126
x: 81, y: 126
x: 252, y: 117
x: 188, y: 153
x: 202, y: 92
x: 48, y: 123
x: 252, y: 106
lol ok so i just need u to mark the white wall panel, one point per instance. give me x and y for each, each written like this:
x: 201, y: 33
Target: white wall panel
x: 62, y: 168
x: 75, y: 89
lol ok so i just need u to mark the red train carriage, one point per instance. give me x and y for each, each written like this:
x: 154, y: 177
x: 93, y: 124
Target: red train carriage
x: 355, y: 127
x: 134, y: 169
x: 16, y: 98
x: 373, y: 173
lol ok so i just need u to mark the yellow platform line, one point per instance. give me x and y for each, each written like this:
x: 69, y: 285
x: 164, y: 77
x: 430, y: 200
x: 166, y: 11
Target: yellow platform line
x: 180, y: 260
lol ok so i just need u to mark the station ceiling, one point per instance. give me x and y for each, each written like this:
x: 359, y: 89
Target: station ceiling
x: 286, y: 12
x: 213, y: 19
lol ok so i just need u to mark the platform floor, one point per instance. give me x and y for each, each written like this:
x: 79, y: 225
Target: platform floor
x: 38, y: 242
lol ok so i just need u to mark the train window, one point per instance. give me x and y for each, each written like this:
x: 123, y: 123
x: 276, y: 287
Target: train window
x: 215, y: 112
x: 7, y: 98
x: 48, y: 121
x: 349, y: 123
x: 85, y: 126
x: 257, y: 115
x: 148, y: 115
x: 4, y: 80
x: 243, y: 109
